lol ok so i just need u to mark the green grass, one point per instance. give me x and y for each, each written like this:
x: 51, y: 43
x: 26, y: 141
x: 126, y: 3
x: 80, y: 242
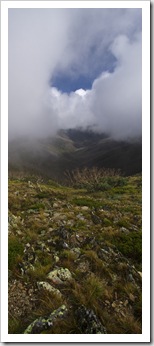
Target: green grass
x: 15, y: 251
x: 130, y: 245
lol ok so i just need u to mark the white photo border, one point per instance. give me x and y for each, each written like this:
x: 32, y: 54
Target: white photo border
x: 145, y: 336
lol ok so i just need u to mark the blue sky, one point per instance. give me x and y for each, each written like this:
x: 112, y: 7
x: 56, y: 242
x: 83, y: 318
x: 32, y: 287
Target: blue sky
x: 68, y: 81
x: 55, y: 52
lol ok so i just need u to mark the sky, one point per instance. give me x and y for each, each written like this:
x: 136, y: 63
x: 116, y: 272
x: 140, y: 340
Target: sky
x: 73, y: 68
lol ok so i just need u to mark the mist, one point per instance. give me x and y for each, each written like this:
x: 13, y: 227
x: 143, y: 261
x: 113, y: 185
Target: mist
x: 105, y: 44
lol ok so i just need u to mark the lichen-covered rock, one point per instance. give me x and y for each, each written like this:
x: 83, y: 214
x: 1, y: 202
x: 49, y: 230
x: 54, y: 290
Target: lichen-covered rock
x: 76, y: 251
x: 48, y: 287
x: 43, y: 323
x: 84, y: 208
x: 60, y: 276
x: 88, y: 321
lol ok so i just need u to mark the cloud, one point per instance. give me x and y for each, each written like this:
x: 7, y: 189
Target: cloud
x: 114, y: 103
x: 104, y: 44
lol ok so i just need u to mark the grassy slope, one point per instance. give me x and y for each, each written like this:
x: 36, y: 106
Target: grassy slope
x: 106, y: 269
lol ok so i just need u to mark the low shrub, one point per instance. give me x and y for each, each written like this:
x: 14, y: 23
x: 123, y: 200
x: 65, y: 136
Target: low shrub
x: 93, y: 179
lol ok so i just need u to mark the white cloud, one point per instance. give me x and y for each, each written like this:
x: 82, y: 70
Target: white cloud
x: 81, y: 92
x: 42, y: 42
x: 114, y: 103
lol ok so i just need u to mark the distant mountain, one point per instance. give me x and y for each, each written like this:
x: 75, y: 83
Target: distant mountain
x: 73, y: 148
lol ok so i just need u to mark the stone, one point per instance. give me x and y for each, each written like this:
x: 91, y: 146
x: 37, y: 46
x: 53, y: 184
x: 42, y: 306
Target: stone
x: 27, y: 245
x: 80, y: 217
x: 114, y: 305
x: 60, y: 276
x: 107, y: 302
x: 55, y: 205
x: 131, y: 297
x: 96, y: 219
x: 88, y: 322
x: 43, y: 323
x: 46, y: 214
x: 30, y: 184
x: 130, y: 278
x: 126, y: 302
x: 76, y: 251
x: 140, y: 273
x: 48, y: 287
x: 59, y: 216
x: 84, y: 208
x: 124, y: 230
x: 19, y: 232
x: 56, y: 258
x: 62, y: 233
x: 83, y: 267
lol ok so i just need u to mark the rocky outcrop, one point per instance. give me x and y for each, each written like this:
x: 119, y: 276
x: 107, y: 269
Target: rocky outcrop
x: 44, y: 323
x: 88, y: 322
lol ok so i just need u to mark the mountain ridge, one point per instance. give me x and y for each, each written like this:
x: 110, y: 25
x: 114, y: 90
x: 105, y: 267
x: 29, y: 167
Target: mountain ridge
x: 71, y: 149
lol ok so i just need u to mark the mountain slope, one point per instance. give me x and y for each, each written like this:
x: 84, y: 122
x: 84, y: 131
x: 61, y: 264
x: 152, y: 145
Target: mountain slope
x: 71, y: 149
x: 77, y: 255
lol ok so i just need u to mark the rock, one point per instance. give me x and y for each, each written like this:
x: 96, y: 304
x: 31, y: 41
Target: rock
x: 84, y: 208
x: 60, y: 276
x: 114, y: 305
x: 122, y: 313
x: 130, y: 278
x: 27, y: 245
x: 83, y: 267
x: 62, y: 233
x: 124, y: 230
x: 131, y: 297
x: 96, y: 219
x: 140, y: 273
x: 76, y: 251
x: 126, y: 302
x: 80, y: 217
x: 59, y: 216
x: 46, y: 214
x: 61, y: 244
x: 134, y: 228
x: 48, y: 287
x: 43, y: 323
x: 107, y: 302
x: 55, y: 205
x: 56, y: 258
x: 19, y: 232
x: 30, y: 184
x: 88, y: 321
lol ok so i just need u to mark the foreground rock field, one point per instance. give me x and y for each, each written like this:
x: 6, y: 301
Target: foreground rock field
x: 75, y: 257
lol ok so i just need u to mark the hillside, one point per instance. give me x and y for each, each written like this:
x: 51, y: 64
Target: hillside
x: 71, y: 149
x: 75, y: 255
